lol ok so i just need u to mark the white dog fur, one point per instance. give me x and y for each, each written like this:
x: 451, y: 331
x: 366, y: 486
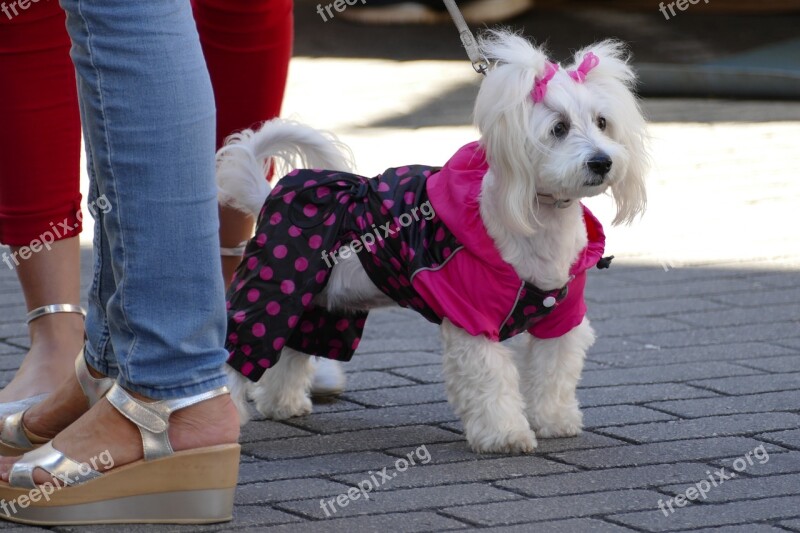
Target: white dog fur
x: 503, y: 396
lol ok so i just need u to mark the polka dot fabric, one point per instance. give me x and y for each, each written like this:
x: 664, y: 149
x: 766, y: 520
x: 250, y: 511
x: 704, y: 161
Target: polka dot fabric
x: 305, y: 221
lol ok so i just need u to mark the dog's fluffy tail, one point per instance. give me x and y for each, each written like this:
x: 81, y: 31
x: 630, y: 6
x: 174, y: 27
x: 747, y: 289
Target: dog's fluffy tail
x: 244, y: 161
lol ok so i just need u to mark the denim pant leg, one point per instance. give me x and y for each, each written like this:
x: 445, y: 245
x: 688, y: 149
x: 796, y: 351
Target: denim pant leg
x: 99, y: 351
x: 149, y: 118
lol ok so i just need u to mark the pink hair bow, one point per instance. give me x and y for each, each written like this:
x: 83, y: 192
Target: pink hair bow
x: 589, y: 62
x: 540, y: 87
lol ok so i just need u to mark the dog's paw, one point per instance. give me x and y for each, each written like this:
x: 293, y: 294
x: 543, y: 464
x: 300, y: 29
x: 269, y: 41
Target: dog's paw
x: 283, y: 408
x: 566, y: 423
x: 515, y: 441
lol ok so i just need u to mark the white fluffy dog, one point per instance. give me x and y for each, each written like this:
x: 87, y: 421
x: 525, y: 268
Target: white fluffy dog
x: 551, y: 136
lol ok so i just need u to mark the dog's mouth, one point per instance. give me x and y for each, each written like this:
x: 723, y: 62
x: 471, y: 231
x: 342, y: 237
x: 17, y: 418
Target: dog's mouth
x: 594, y: 181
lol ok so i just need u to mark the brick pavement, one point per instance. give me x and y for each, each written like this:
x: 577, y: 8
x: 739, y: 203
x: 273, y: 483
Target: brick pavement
x: 697, y: 361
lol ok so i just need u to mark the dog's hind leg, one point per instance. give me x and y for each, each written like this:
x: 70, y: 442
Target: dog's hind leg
x: 550, y: 370
x: 483, y: 387
x: 283, y: 391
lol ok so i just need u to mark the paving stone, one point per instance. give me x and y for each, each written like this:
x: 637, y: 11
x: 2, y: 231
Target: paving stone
x: 747, y: 528
x: 789, y: 363
x: 739, y: 488
x: 655, y: 453
x: 374, y: 380
x: 13, y: 329
x: 22, y: 341
x: 762, y: 297
x: 423, y: 373
x: 654, y: 355
x: 563, y: 526
x: 717, y: 426
x: 400, y: 522
x: 631, y: 394
x: 614, y: 345
x: 728, y: 334
x: 779, y: 463
x: 406, y: 415
x: 243, y: 516
x: 460, y: 451
x: 793, y: 342
x: 391, y: 357
x: 740, y: 316
x: 751, y: 384
x: 333, y: 404
x: 637, y: 326
x: 661, y: 374
x: 527, y: 510
x: 417, y: 499
x: 371, y: 439
x: 410, y: 395
x: 264, y: 430
x: 789, y: 439
x: 637, y: 477
x: 697, y: 516
x: 689, y: 289
x: 15, y: 351
x: 793, y: 525
x: 616, y: 415
x: 646, y: 308
x: 398, y: 349
x: 482, y: 469
x: 752, y: 403
x: 289, y: 489
x: 322, y: 465
x: 586, y: 440
x: 657, y: 276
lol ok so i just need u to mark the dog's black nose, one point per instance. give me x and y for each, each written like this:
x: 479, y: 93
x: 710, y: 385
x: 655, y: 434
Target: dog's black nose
x: 599, y: 164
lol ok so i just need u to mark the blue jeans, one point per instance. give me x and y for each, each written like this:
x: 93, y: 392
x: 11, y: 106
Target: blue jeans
x: 156, y: 308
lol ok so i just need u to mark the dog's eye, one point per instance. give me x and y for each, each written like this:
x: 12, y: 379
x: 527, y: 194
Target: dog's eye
x: 560, y: 130
x: 601, y: 123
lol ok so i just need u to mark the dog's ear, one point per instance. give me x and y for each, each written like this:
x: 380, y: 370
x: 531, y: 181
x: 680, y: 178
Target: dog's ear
x: 502, y: 115
x: 612, y: 76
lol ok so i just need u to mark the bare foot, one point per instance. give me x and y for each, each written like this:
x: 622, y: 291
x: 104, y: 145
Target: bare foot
x: 55, y: 342
x: 104, y: 429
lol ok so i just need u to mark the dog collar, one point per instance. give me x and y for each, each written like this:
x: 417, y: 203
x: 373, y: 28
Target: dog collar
x: 549, y: 199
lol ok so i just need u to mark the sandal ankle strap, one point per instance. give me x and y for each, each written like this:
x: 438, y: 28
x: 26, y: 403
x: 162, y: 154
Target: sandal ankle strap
x: 236, y: 251
x: 94, y: 388
x: 52, y: 309
x: 152, y: 418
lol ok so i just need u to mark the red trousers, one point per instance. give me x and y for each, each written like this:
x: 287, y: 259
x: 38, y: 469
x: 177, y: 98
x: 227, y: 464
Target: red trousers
x: 247, y: 46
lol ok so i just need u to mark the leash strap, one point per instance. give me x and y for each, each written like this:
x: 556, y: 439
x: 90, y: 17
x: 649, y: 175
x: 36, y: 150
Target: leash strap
x: 479, y: 62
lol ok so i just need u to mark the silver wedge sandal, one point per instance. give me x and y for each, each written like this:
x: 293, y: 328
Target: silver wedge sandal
x: 20, y: 405
x: 16, y: 440
x: 189, y: 487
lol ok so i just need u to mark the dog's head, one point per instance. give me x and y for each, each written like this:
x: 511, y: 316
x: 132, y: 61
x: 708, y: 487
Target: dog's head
x: 570, y: 132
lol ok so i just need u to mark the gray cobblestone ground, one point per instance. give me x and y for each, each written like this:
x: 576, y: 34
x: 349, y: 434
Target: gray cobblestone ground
x: 697, y: 361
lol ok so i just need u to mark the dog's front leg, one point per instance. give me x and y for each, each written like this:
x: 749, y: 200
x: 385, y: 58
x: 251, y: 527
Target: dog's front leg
x: 549, y: 372
x: 283, y: 391
x: 483, y: 387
